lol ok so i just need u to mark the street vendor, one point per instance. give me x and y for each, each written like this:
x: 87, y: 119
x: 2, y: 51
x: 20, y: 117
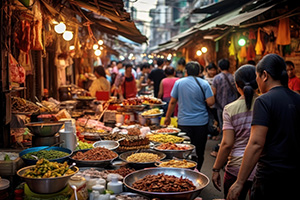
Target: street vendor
x: 101, y: 83
x: 128, y: 85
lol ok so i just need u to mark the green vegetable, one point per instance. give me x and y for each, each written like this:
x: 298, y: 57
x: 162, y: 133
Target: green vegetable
x: 6, y: 158
x: 108, y: 192
x: 47, y: 154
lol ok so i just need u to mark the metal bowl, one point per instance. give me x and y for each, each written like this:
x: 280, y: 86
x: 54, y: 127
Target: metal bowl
x: 34, y: 149
x: 175, y: 131
x: 46, y: 185
x: 199, y: 180
x: 91, y: 163
x: 176, y: 153
x: 44, y: 129
x: 157, y: 164
x: 135, y: 165
x: 109, y: 144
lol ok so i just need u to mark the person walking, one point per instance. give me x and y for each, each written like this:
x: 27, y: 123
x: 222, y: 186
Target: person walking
x: 274, y: 139
x: 166, y: 86
x: 237, y: 118
x: 192, y: 94
x: 156, y: 75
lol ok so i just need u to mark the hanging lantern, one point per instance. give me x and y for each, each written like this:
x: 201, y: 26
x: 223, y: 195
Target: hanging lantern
x: 60, y: 28
x: 68, y: 35
x: 242, y: 42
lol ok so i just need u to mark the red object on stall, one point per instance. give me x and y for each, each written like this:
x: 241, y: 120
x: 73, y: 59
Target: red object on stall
x: 102, y: 95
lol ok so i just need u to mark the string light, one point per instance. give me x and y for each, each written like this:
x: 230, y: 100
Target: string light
x: 199, y: 53
x: 204, y: 49
x: 68, y: 35
x: 100, y: 42
x: 60, y: 28
x: 97, y: 52
x: 95, y: 46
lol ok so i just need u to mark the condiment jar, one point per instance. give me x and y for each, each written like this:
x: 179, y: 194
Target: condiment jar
x: 115, y: 185
x: 99, y: 188
x: 101, y: 181
x: 80, y: 183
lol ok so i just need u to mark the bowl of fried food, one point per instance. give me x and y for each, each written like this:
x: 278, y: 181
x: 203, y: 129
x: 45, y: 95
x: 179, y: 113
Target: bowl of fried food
x: 142, y: 158
x: 167, y: 183
x: 47, y: 177
x: 175, y: 150
x: 177, y: 163
x: 96, y: 157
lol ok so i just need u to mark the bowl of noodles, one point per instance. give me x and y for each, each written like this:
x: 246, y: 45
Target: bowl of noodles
x: 142, y: 159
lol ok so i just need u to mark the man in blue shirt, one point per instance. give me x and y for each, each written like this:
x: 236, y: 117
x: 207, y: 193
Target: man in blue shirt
x: 192, y: 112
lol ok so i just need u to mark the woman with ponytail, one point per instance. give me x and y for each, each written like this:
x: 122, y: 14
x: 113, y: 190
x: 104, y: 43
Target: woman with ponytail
x: 237, y: 118
x: 273, y: 146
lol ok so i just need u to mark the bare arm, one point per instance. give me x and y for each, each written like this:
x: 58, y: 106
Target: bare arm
x: 171, y: 108
x: 224, y: 151
x: 210, y: 101
x: 251, y: 156
x: 161, y: 91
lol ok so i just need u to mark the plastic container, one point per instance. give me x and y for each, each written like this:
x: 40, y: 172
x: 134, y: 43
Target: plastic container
x: 80, y: 183
x: 101, y: 181
x: 115, y: 185
x: 99, y: 188
x: 4, y: 185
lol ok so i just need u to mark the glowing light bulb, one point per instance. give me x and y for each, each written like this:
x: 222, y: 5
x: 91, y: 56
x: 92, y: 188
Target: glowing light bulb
x: 204, y: 49
x: 100, y: 42
x: 68, y: 35
x: 97, y: 52
x: 95, y: 46
x: 60, y: 28
x: 242, y: 42
x: 71, y: 47
x: 199, y: 53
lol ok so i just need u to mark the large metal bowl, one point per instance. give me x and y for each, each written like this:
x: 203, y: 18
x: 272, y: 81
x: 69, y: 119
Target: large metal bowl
x: 34, y: 149
x: 176, y: 153
x: 44, y: 129
x: 199, y: 180
x: 109, y: 144
x: 46, y: 185
x: 135, y: 165
x: 91, y: 163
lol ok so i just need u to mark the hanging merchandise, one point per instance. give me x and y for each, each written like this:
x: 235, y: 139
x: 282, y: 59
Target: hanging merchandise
x: 16, y: 71
x: 25, y: 60
x: 250, y: 52
x: 22, y: 36
x: 251, y: 35
x: 243, y: 53
x: 36, y: 28
x: 284, y: 33
x: 231, y: 49
x: 259, y: 47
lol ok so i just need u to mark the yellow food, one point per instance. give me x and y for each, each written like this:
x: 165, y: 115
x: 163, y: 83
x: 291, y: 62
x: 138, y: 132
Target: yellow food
x: 46, y: 169
x: 142, y: 157
x: 152, y: 112
x: 177, y: 164
x: 165, y: 138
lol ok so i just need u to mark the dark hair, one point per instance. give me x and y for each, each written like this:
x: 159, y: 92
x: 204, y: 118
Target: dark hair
x: 251, y: 62
x: 127, y: 65
x: 119, y: 62
x: 212, y: 66
x: 224, y: 64
x: 245, y: 78
x: 160, y: 61
x: 274, y: 65
x: 192, y: 68
x: 290, y: 63
x: 181, y: 61
x: 100, y: 71
x: 169, y: 70
x: 145, y: 65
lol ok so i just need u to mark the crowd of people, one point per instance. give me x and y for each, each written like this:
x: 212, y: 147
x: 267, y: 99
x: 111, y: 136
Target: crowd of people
x: 255, y: 110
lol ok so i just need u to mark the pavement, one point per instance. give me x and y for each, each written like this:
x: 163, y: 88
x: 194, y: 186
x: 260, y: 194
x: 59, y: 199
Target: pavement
x: 210, y: 192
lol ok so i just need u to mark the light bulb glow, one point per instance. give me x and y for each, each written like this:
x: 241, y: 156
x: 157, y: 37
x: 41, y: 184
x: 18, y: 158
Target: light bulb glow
x: 60, y: 28
x: 199, y: 53
x: 95, y: 46
x: 204, y: 49
x: 242, y: 42
x: 71, y: 47
x: 97, y: 52
x: 100, y: 42
x: 68, y: 35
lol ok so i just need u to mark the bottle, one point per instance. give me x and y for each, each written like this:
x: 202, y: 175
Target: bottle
x: 115, y: 185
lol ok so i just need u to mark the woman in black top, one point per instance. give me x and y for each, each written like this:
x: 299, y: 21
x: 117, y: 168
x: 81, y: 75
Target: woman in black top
x: 274, y: 143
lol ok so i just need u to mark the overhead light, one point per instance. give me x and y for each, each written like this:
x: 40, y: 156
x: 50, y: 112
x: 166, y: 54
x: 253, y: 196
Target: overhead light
x: 242, y: 42
x: 101, y: 48
x: 97, y: 52
x: 204, y: 49
x: 60, y: 28
x: 199, y: 53
x: 71, y: 47
x: 95, y: 46
x: 68, y: 35
x: 100, y: 42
